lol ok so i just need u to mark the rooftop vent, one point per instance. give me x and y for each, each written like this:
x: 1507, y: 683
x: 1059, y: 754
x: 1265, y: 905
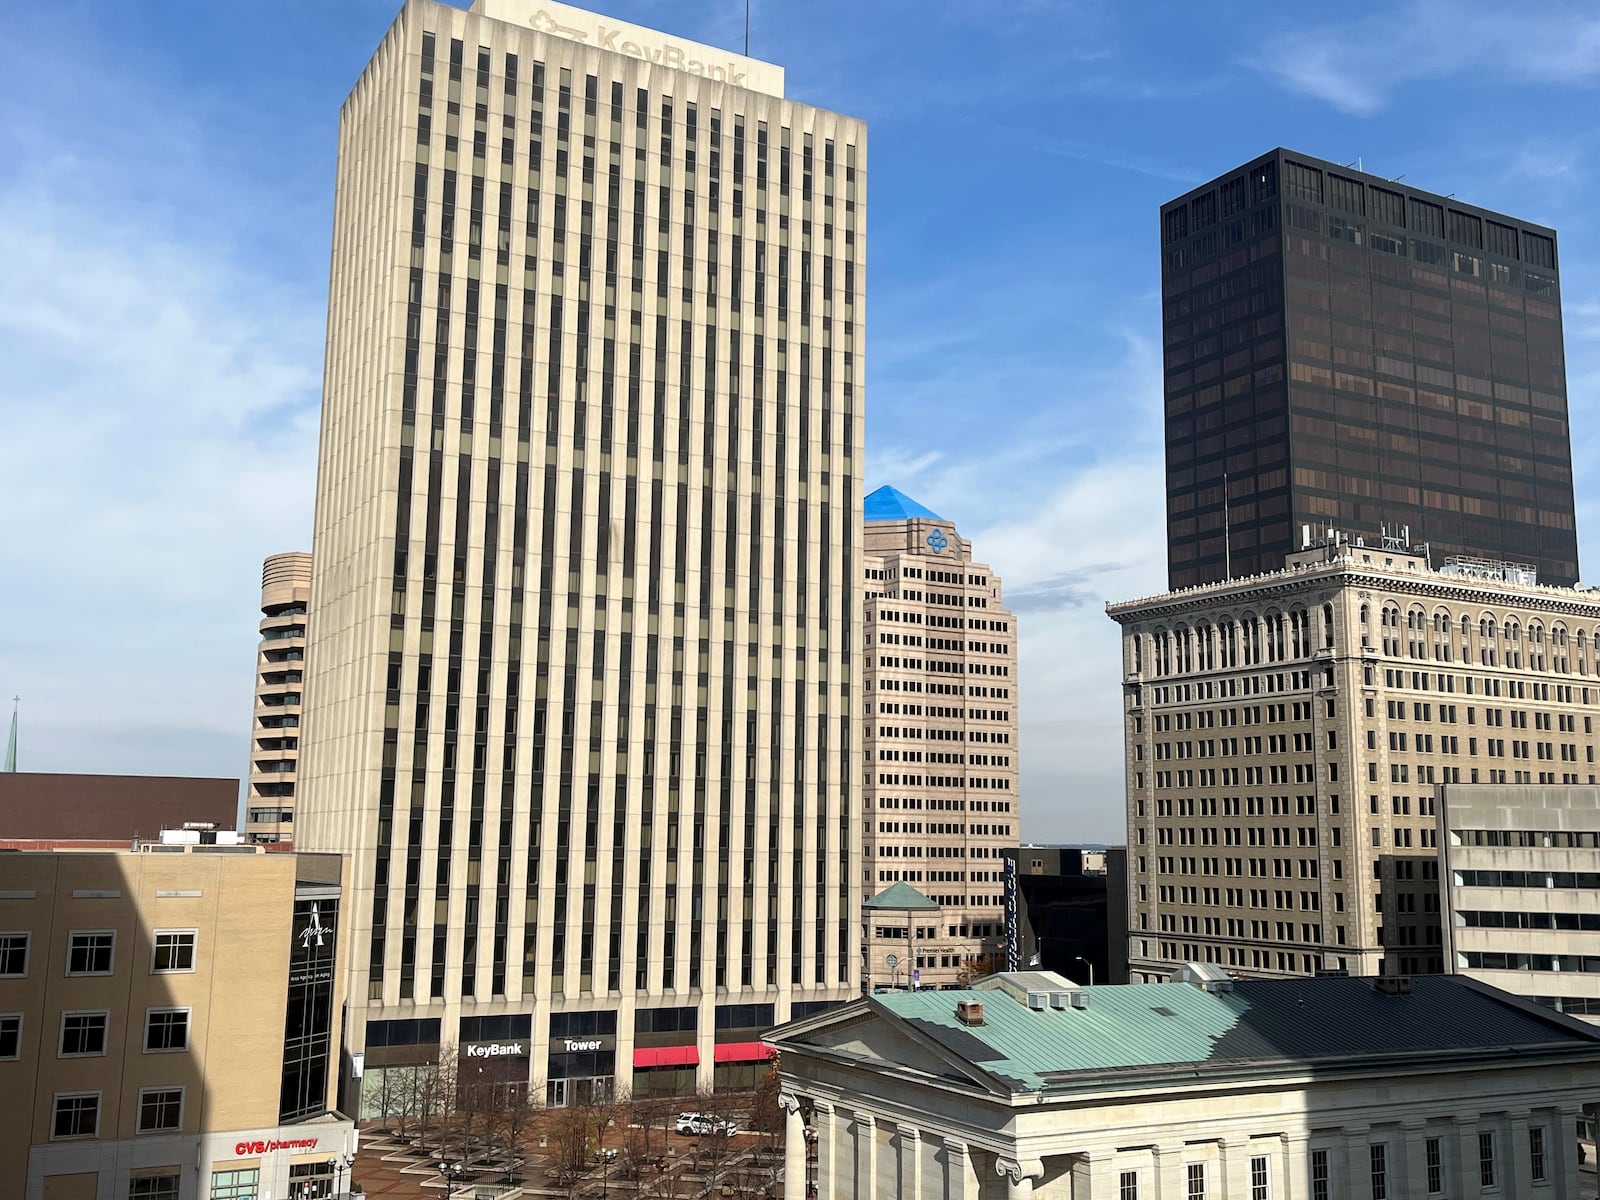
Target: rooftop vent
x: 1079, y: 999
x: 1394, y: 985
x: 1038, y: 1001
x: 1060, y: 1000
x: 969, y: 1012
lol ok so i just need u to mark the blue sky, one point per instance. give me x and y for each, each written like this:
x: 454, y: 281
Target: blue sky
x: 166, y: 179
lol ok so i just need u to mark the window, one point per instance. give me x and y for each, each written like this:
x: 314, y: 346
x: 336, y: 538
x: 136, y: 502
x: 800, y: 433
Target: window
x: 1536, y: 1154
x: 174, y: 951
x: 1258, y: 1178
x: 13, y: 955
x: 77, y: 1115
x: 1486, y: 1159
x: 1197, y: 1181
x: 1128, y: 1186
x: 160, y: 1109
x: 156, y: 1187
x: 10, y: 1035
x: 236, y: 1185
x: 166, y: 1029
x: 1319, y: 1175
x: 1378, y: 1155
x: 1435, y: 1167
x: 83, y: 1033
x: 90, y: 953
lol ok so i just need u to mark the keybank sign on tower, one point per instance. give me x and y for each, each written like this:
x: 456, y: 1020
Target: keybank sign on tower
x: 635, y: 41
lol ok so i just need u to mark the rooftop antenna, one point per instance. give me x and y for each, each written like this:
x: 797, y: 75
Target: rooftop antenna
x: 1357, y: 165
x: 1398, y: 178
x: 747, y: 28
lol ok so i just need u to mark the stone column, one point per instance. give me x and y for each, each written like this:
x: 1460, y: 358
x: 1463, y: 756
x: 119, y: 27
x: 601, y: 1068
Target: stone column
x: 1172, y: 1181
x: 827, y: 1151
x: 1348, y: 1162
x: 1294, y: 1170
x: 1019, y: 1176
x: 794, y: 1148
x: 1235, y: 1167
x: 866, y: 1157
x: 1412, y: 1169
x: 911, y: 1160
x: 961, y: 1180
x: 1513, y: 1166
x: 1466, y: 1157
x: 1561, y: 1153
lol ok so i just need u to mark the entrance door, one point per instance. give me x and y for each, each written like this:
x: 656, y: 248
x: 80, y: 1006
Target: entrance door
x: 557, y: 1093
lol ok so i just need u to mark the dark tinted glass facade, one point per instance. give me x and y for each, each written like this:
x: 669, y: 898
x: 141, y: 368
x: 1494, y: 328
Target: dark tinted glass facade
x: 1343, y: 350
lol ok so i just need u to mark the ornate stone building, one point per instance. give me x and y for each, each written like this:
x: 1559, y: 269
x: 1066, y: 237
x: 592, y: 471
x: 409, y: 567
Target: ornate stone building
x: 1287, y: 733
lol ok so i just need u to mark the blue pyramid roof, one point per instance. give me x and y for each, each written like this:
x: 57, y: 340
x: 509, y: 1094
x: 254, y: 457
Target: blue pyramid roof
x: 891, y: 504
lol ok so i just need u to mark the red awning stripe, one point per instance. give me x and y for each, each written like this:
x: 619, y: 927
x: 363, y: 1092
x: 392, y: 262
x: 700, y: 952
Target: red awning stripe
x: 743, y: 1052
x: 666, y: 1056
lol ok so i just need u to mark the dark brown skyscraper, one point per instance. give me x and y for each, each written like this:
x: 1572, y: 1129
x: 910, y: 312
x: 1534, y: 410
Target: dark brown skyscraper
x: 1345, y: 350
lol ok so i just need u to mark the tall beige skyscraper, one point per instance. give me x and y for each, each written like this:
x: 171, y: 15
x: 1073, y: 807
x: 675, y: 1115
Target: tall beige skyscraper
x: 941, y: 746
x: 586, y: 634
x: 280, y: 675
x: 1288, y: 735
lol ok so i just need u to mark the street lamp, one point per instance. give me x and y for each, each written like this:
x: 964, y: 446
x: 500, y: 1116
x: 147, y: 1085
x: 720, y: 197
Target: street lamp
x: 344, y: 1165
x: 1087, y: 963
x: 449, y: 1172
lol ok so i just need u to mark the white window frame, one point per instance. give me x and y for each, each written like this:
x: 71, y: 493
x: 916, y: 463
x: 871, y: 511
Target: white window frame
x: 138, y: 1112
x: 194, y: 951
x: 76, y: 933
x: 188, y: 1029
x: 1265, y: 1161
x: 18, y: 1018
x: 105, y: 1039
x: 27, y: 951
x: 55, y: 1111
x: 1544, y: 1152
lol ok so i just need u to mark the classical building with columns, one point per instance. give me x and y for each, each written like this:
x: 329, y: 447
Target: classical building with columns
x: 1204, y: 1086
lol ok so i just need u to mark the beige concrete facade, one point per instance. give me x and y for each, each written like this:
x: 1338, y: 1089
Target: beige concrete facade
x: 145, y: 1005
x: 280, y: 675
x: 1286, y: 736
x: 940, y: 751
x: 585, y: 673
x: 1518, y: 882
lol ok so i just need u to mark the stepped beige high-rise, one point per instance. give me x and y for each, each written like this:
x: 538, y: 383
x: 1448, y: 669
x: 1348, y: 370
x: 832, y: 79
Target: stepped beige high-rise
x: 280, y: 674
x: 585, y: 660
x: 941, y: 747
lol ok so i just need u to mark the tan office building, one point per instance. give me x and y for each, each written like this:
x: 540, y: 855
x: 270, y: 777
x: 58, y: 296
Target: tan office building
x: 586, y: 631
x: 166, y: 1023
x: 1520, y: 876
x: 280, y: 675
x: 941, y: 800
x: 1287, y: 735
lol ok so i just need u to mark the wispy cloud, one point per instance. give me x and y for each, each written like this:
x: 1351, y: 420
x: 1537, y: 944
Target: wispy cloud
x: 1357, y: 66
x: 160, y: 425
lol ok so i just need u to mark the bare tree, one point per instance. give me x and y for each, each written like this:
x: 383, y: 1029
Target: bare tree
x: 569, y: 1142
x: 714, y: 1149
x: 514, y: 1121
x: 766, y: 1113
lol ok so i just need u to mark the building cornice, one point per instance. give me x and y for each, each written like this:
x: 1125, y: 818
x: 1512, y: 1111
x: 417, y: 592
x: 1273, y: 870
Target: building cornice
x: 1297, y: 581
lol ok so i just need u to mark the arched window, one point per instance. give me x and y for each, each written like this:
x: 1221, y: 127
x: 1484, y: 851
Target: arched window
x: 1391, y: 630
x: 1488, y: 643
x: 1137, y: 642
x: 1327, y: 625
x: 1442, y: 651
x: 1511, y: 636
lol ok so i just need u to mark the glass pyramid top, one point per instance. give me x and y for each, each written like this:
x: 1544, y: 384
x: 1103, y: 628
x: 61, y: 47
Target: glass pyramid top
x: 891, y: 504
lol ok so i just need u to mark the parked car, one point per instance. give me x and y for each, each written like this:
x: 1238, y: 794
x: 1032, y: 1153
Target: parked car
x: 699, y: 1125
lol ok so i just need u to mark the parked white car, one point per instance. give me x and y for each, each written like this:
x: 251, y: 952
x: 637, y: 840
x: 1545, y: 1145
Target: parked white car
x: 699, y: 1125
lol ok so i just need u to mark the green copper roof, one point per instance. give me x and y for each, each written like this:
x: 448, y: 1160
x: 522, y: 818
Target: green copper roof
x: 901, y: 897
x: 1153, y: 1025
